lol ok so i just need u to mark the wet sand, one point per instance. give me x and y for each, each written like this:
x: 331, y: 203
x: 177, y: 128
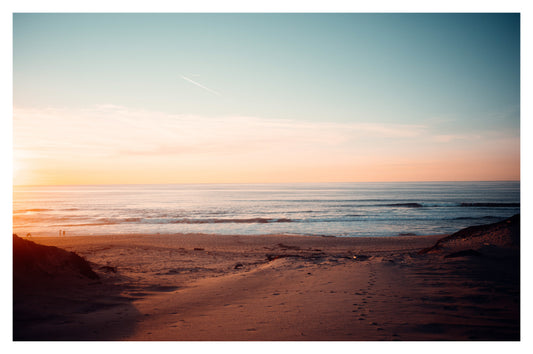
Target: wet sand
x: 278, y: 287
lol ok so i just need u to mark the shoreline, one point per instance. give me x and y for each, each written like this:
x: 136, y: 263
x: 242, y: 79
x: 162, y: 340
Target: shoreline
x: 272, y: 287
x: 202, y: 234
x: 45, y: 234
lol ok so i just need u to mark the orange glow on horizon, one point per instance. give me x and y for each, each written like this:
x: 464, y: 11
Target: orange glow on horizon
x: 126, y: 147
x: 466, y: 170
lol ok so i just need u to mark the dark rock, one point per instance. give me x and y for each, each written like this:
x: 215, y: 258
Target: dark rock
x: 108, y: 269
x: 360, y: 257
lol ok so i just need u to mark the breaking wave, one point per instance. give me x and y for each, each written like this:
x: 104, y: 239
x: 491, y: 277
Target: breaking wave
x: 491, y: 205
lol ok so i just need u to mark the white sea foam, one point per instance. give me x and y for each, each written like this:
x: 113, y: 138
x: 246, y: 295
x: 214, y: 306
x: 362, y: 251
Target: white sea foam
x: 337, y: 209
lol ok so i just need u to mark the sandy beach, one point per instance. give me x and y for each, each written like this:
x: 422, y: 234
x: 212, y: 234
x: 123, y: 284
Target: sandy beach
x: 276, y: 287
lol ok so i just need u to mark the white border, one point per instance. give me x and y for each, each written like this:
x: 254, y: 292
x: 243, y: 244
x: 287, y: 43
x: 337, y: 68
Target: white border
x: 271, y: 6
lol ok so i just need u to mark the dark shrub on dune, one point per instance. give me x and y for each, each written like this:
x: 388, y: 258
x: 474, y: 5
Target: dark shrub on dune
x: 34, y: 263
x: 503, y: 234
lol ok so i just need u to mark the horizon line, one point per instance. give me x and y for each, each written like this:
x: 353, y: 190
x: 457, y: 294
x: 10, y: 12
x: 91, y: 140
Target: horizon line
x: 252, y: 183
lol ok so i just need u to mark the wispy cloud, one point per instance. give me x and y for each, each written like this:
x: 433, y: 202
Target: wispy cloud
x: 117, y: 140
x: 115, y: 130
x: 201, y: 86
x: 447, y: 138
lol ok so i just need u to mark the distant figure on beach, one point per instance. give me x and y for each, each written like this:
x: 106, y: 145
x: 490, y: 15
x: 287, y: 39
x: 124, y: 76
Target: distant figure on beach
x: 59, y: 233
x: 64, y: 233
x: 28, y: 235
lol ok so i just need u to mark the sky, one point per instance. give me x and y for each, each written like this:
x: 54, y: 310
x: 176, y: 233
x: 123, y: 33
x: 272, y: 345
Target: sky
x: 265, y: 98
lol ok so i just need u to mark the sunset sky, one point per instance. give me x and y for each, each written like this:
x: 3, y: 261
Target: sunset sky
x: 245, y: 98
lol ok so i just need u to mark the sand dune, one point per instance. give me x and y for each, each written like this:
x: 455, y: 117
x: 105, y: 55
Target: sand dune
x: 214, y: 287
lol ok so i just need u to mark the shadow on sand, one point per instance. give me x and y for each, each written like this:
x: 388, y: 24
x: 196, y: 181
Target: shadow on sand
x: 57, y: 296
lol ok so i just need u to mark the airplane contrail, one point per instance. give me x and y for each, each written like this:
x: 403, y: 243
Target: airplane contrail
x: 201, y: 86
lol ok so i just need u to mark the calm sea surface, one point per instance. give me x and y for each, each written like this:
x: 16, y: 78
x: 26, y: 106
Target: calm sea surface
x: 339, y: 209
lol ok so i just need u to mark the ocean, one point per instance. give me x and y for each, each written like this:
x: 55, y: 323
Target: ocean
x: 321, y: 209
